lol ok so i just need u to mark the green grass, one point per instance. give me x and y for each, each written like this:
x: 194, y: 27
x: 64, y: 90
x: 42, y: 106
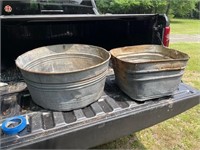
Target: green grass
x: 192, y: 75
x: 185, y: 26
x: 180, y: 132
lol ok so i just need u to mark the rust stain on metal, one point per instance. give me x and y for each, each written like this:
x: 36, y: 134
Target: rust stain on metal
x: 71, y: 76
x: 148, y: 71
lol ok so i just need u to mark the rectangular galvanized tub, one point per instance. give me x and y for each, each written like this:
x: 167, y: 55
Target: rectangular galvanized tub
x: 148, y: 71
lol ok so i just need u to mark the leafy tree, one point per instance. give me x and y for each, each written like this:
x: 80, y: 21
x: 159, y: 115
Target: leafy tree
x: 159, y: 6
x: 122, y: 6
x: 182, y: 8
x: 177, y: 8
x: 196, y: 12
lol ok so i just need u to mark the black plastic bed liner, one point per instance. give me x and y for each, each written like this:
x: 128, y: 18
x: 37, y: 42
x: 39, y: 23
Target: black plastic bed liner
x: 111, y: 117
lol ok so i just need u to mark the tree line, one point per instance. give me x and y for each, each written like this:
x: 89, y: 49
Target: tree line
x: 173, y: 8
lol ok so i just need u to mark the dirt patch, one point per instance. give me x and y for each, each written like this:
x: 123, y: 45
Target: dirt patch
x: 184, y: 38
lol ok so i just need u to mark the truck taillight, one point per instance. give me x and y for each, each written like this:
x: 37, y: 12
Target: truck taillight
x: 166, y: 36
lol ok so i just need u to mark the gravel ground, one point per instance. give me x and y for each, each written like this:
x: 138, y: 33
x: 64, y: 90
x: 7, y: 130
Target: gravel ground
x: 184, y: 38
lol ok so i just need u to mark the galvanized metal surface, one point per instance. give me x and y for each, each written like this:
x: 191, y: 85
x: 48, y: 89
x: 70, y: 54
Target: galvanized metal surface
x: 12, y: 88
x: 148, y: 71
x: 92, y: 125
x: 69, y: 76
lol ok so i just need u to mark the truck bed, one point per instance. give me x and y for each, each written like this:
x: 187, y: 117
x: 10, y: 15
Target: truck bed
x: 114, y: 115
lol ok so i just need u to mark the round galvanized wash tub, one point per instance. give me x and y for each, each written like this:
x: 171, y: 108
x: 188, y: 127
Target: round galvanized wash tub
x: 64, y: 77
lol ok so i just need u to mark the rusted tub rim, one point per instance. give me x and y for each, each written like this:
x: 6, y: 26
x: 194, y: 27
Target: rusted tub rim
x: 149, y: 61
x: 69, y: 72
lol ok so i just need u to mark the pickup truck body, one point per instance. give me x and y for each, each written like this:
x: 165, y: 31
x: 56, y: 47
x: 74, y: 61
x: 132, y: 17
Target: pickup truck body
x: 114, y: 115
